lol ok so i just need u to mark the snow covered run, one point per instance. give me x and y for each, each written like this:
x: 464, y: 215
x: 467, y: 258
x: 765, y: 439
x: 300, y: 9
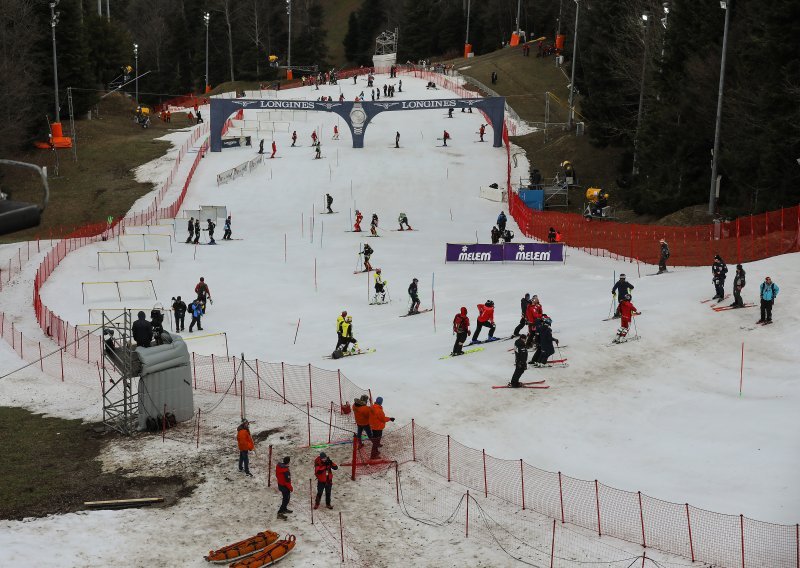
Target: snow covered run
x: 662, y: 415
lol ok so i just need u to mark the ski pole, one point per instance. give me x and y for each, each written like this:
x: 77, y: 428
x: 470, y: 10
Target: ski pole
x: 635, y: 329
x: 611, y: 309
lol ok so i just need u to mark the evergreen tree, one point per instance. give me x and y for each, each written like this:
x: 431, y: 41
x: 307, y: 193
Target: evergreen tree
x: 351, y: 40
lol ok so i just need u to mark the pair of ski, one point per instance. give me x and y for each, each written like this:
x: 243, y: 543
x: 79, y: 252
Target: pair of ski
x: 718, y: 300
x: 626, y: 340
x: 417, y: 313
x: 657, y: 273
x: 726, y: 308
x: 353, y: 353
x: 490, y: 340
x: 757, y: 324
x: 525, y: 385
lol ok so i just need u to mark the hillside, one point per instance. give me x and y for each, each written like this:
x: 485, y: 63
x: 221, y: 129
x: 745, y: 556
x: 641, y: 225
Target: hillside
x: 336, y: 17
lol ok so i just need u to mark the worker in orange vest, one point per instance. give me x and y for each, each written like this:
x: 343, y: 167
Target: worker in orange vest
x: 322, y: 471
x: 377, y: 422
x: 245, y: 441
x: 361, y: 413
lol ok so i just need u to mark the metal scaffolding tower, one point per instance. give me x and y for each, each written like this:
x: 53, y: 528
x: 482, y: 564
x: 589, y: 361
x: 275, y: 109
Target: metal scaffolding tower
x: 118, y: 373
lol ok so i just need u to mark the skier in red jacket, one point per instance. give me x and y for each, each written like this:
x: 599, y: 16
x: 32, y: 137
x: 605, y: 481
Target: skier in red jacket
x: 461, y: 329
x: 284, y: 479
x: 357, y: 224
x: 274, y: 149
x: 322, y: 470
x: 532, y: 315
x: 627, y: 310
x: 485, y: 319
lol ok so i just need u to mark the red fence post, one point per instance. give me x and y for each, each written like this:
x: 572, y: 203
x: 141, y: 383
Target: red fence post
x: 339, y: 377
x: 62, y: 364
x: 522, y: 479
x: 41, y: 361
x: 258, y: 378
x: 553, y: 544
x: 797, y: 543
x: 448, y: 458
x: 356, y: 441
x: 310, y: 389
x: 597, y: 499
x: 269, y: 466
x: 467, y: 530
x: 741, y: 524
x: 283, y: 381
x: 330, y: 423
x: 341, y: 534
x: 397, y: 481
x: 308, y: 414
x: 689, y: 524
x: 485, y: 482
x: 214, y: 373
x: 561, y: 496
x: 198, y: 428
x: 311, y: 500
x: 194, y: 371
x: 641, y: 517
x: 413, y: 444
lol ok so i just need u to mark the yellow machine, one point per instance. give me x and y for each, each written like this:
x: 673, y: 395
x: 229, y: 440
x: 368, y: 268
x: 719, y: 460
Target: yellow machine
x: 593, y: 194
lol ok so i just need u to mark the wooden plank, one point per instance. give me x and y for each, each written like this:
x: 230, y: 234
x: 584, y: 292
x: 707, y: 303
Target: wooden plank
x: 124, y: 502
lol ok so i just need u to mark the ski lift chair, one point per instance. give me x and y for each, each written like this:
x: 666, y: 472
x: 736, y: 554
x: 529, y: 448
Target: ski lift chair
x: 19, y: 215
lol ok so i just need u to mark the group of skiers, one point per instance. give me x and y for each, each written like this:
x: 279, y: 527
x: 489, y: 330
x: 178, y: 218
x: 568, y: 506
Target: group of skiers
x: 499, y: 232
x: 193, y: 227
x: 370, y: 420
x: 768, y: 290
x: 402, y: 220
x: 196, y: 309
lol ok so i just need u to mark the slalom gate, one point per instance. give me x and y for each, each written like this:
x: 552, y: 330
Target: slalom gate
x: 730, y: 541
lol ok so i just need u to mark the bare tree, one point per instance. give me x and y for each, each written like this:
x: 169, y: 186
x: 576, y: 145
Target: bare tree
x: 227, y: 7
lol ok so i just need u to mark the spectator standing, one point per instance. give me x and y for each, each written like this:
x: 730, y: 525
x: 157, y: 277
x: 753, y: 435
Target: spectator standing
x: 142, y: 331
x: 284, y: 479
x: 361, y: 414
x: 245, y: 442
x: 769, y: 291
x: 322, y: 470
x: 377, y: 422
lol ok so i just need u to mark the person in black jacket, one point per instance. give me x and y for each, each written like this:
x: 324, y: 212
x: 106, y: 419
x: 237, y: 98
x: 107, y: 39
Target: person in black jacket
x: 546, y: 341
x: 142, y: 331
x: 520, y: 360
x: 210, y: 229
x: 623, y: 287
x: 662, y: 260
x: 738, y: 285
x: 523, y: 306
x: 196, y: 231
x: 718, y: 270
x: 329, y: 202
x: 413, y: 292
x: 179, y: 309
x: 190, y: 228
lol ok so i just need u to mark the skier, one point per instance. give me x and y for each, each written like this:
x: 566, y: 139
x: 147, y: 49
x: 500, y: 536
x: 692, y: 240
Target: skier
x: 397, y: 139
x: 261, y: 146
x: 523, y: 306
x: 501, y: 221
x: 545, y: 342
x: 738, y: 286
x: 142, y: 330
x: 196, y: 231
x: 245, y: 442
x: 482, y: 131
x: 318, y: 151
x: 179, y: 311
x: 335, y: 132
x: 367, y: 252
x: 373, y: 225
x: 274, y: 149
x: 203, y: 292
x: 520, y: 360
x: 339, y: 322
x: 226, y: 236
x: 412, y: 292
x: 485, y: 319
x: 461, y: 330
x: 329, y: 202
x: 662, y: 260
x: 380, y: 287
x: 190, y: 228
x: 718, y: 270
x: 495, y: 235
x: 533, y: 315
x: 210, y: 229
x: 357, y: 224
x: 627, y: 310
x: 294, y: 138
x: 403, y: 220
x: 551, y: 235
x: 196, y: 309
x: 450, y: 113
x: 377, y: 422
x: 322, y: 470
x: 507, y: 236
x: 768, y: 291
x: 445, y: 137
x: 347, y: 337
x: 284, y: 479
x: 314, y: 138
x: 623, y: 287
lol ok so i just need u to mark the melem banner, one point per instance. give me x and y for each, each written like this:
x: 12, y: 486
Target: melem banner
x: 507, y: 252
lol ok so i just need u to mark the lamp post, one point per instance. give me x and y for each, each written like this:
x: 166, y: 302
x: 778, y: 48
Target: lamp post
x: 574, y: 58
x: 289, y: 48
x: 645, y: 20
x: 53, y: 24
x: 207, y: 18
x: 724, y: 4
x: 136, y: 69
x: 519, y: 3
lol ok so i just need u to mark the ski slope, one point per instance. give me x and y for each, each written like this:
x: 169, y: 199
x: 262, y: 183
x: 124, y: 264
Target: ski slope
x: 662, y: 415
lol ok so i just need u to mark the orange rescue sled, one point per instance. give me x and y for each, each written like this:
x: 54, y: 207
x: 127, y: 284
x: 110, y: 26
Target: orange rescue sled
x: 243, y: 548
x: 269, y: 555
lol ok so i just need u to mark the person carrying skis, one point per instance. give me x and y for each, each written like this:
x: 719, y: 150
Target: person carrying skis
x: 226, y: 236
x: 329, y: 202
x: 210, y: 228
x: 545, y: 342
x: 495, y: 235
x: 768, y: 291
x: 245, y: 442
x: 294, y: 138
x: 367, y: 252
x: 523, y: 306
x: 322, y: 471
x: 412, y: 292
x: 196, y: 309
x: 485, y: 319
x: 179, y: 311
x: 373, y: 225
x: 380, y: 287
x: 624, y: 288
x: 520, y: 360
x: 403, y: 220
x: 361, y: 415
x: 738, y: 286
x: 718, y: 270
x: 284, y: 479
x: 196, y: 231
x: 357, y: 224
x: 501, y: 222
x: 627, y: 310
x: 190, y: 228
x: 482, y: 130
x: 461, y: 330
x: 445, y: 137
x: 377, y: 422
x: 662, y: 259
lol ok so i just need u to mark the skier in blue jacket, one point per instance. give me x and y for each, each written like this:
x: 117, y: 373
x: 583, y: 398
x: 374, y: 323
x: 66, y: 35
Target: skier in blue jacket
x: 769, y: 291
x: 196, y: 309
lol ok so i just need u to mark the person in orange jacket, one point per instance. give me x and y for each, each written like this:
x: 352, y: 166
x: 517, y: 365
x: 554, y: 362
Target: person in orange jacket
x: 322, y: 470
x: 377, y: 422
x: 485, y: 319
x: 245, y: 441
x: 284, y: 479
x: 361, y: 413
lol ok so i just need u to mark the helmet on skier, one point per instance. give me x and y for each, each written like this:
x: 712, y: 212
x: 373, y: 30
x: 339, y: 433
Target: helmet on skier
x: 622, y: 277
x: 415, y: 280
x: 546, y: 320
x: 627, y: 297
x: 348, y: 319
x: 378, y: 270
x: 489, y: 303
x: 344, y: 313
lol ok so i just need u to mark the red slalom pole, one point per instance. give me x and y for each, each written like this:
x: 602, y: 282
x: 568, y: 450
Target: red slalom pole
x: 741, y: 371
x: 296, y: 331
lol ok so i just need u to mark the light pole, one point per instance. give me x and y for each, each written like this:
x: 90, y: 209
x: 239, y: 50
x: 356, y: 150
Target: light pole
x: 53, y: 24
x: 519, y: 3
x: 289, y: 49
x: 711, y: 194
x: 136, y: 69
x: 645, y: 20
x: 466, y: 40
x: 207, y: 18
x: 574, y: 60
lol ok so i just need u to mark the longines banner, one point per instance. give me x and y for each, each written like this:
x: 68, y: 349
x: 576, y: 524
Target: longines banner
x: 507, y: 252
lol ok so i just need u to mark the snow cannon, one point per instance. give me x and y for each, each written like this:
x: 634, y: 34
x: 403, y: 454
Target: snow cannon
x: 593, y: 194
